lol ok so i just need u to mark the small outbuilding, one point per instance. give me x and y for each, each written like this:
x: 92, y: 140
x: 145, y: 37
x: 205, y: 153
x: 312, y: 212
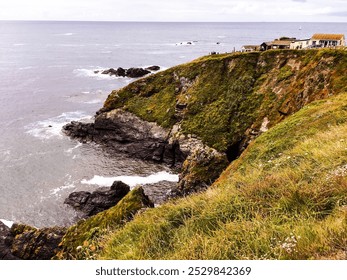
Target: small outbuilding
x: 275, y: 45
x: 250, y: 48
x: 299, y: 44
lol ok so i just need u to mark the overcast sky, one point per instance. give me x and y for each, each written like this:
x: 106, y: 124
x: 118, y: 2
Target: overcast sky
x: 175, y: 10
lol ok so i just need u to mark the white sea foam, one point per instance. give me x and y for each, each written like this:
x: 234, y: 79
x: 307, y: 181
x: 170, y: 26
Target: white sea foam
x: 91, y: 73
x: 19, y: 44
x: 69, y: 151
x: 59, y: 189
x: 51, y: 127
x: 65, y: 34
x: 26, y: 68
x: 71, y: 45
x: 132, y: 181
x: 93, y: 101
x: 7, y: 223
x: 57, y: 66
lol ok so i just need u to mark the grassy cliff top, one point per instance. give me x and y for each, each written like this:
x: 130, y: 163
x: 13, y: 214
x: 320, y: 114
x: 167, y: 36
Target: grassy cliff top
x: 219, y: 98
x: 284, y: 198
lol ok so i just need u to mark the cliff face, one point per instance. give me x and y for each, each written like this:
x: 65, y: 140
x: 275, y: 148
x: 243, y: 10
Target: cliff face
x: 213, y: 107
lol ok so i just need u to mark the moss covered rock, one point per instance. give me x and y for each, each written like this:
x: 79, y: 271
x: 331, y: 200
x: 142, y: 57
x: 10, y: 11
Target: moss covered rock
x: 81, y: 241
x: 30, y: 243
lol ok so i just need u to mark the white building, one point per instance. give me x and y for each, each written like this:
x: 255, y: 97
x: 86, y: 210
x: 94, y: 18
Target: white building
x: 327, y: 40
x: 300, y: 44
x: 250, y: 48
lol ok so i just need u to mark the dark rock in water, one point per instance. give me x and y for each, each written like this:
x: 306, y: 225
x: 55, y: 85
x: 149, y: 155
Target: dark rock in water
x: 110, y: 72
x: 6, y: 240
x: 100, y: 200
x: 28, y: 243
x: 96, y: 71
x: 153, y: 68
x: 136, y: 72
x: 131, y: 72
x: 77, y: 200
x: 122, y: 132
x: 83, y: 131
x: 106, y: 72
x: 121, y: 72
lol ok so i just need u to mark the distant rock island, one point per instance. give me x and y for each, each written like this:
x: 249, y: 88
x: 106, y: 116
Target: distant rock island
x: 131, y: 72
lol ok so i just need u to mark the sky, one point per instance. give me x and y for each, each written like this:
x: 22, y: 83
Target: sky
x: 176, y: 10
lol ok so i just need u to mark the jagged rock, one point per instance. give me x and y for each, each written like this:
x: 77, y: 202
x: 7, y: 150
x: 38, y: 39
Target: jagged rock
x: 121, y: 72
x: 201, y: 168
x: 99, y: 200
x: 131, y: 72
x: 123, y: 132
x: 153, y: 68
x: 29, y: 243
x: 6, y: 240
x: 136, y: 72
x: 78, y: 238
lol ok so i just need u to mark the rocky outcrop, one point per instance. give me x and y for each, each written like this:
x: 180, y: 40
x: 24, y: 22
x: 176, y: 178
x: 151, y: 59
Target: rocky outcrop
x: 99, y: 200
x: 202, y: 166
x: 28, y: 243
x: 153, y: 68
x: 120, y: 72
x: 123, y: 132
x: 131, y: 72
x: 6, y: 240
x: 136, y: 72
x: 81, y: 241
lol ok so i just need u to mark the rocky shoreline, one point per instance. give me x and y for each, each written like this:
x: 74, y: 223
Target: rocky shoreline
x: 123, y: 132
x: 23, y: 242
x: 120, y: 131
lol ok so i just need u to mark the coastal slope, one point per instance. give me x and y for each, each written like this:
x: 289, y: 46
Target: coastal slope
x: 284, y: 198
x: 275, y: 122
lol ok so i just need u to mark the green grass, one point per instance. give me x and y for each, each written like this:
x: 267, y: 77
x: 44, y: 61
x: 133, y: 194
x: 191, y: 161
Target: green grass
x: 284, y: 198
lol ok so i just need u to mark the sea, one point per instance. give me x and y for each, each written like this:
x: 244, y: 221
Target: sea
x: 47, y: 79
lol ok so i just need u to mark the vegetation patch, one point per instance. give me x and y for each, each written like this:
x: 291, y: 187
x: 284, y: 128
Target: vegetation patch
x: 284, y: 198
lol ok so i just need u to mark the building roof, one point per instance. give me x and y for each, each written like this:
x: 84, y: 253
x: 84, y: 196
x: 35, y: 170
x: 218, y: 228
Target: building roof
x: 281, y: 43
x: 251, y: 46
x: 321, y: 36
x: 300, y: 40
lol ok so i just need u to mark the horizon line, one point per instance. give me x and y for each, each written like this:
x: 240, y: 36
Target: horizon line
x: 154, y: 21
